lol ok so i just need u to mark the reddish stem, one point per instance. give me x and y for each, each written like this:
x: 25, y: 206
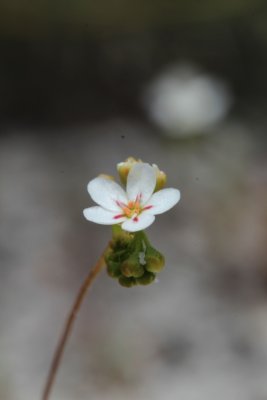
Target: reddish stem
x: 69, y: 325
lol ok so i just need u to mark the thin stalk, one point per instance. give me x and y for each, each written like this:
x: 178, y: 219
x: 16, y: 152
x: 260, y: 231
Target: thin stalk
x: 69, y: 325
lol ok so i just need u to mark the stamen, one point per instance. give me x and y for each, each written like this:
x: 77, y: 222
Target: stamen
x: 138, y: 198
x: 120, y: 204
x: 147, y: 207
x: 131, y: 204
x: 132, y: 209
x: 118, y: 216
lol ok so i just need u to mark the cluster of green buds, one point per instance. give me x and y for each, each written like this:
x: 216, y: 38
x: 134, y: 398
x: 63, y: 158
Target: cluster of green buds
x: 131, y: 259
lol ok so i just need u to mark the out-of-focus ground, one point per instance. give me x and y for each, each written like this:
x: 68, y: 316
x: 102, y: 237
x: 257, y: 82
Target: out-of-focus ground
x: 177, y: 85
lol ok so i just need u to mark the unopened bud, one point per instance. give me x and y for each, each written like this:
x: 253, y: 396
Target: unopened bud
x: 127, y: 282
x: 161, y: 178
x: 154, y: 260
x: 105, y: 176
x: 146, y: 279
x: 125, y: 167
x: 113, y: 269
x: 131, y: 267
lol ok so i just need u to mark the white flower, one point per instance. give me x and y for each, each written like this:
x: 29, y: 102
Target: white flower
x: 184, y: 101
x: 135, y: 208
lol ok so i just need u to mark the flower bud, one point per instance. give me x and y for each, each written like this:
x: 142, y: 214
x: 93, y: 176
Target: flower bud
x: 161, y: 178
x: 131, y: 267
x: 146, y: 279
x: 154, y: 260
x: 124, y: 168
x: 113, y: 269
x: 109, y: 256
x: 127, y: 282
x: 106, y: 176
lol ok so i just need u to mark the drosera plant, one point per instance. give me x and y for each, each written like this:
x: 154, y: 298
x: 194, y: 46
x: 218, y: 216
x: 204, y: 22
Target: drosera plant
x: 129, y: 256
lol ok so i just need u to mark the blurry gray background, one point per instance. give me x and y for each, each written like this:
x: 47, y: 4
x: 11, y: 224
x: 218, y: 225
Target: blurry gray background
x: 83, y: 85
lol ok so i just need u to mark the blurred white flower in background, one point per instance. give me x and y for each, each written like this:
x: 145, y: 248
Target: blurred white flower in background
x: 184, y: 101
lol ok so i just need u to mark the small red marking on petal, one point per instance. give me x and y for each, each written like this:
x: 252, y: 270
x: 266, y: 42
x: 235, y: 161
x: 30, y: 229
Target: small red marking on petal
x: 135, y: 219
x: 118, y: 216
x: 147, y: 207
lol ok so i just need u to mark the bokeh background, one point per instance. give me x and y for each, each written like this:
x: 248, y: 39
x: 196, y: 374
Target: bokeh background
x: 182, y: 84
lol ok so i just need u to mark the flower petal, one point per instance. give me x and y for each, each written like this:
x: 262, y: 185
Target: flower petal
x: 162, y: 201
x: 106, y: 193
x: 138, y: 223
x: 141, y: 182
x: 101, y: 216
